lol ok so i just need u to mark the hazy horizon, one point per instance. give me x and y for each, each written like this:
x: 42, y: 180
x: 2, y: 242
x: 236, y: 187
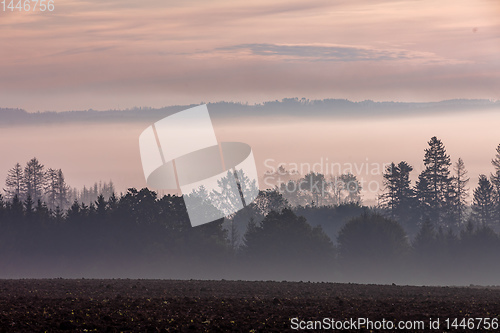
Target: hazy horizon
x: 91, y: 151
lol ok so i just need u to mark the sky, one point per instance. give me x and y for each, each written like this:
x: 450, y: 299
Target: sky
x: 121, y: 54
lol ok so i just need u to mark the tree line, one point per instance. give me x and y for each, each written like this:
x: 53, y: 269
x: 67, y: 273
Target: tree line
x: 36, y: 183
x: 441, y: 194
x: 426, y: 232
x: 150, y: 236
x: 315, y: 188
x: 48, y: 185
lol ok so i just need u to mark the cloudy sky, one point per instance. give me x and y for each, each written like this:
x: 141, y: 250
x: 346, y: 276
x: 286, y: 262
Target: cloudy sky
x: 120, y: 54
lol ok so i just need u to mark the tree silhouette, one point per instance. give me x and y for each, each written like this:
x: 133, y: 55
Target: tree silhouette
x: 14, y: 183
x: 390, y: 198
x: 458, y: 192
x: 316, y: 184
x: 16, y: 210
x: 292, y: 193
x: 433, y: 183
x: 269, y: 200
x: 34, y: 179
x: 51, y: 187
x: 62, y: 191
x: 347, y: 184
x: 101, y: 207
x: 29, y: 208
x: 424, y: 197
x: 226, y: 196
x: 400, y: 196
x: 265, y: 202
x: 247, y: 187
x: 483, y: 203
x: 101, y: 228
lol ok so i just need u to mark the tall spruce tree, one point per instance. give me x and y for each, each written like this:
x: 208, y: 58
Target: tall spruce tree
x: 399, y: 197
x: 434, y: 181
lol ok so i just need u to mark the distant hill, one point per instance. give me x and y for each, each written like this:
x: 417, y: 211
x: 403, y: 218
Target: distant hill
x: 288, y: 107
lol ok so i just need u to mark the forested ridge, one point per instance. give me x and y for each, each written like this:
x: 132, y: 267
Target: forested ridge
x: 329, y: 107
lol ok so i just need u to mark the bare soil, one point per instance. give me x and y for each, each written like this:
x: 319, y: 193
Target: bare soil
x: 57, y: 305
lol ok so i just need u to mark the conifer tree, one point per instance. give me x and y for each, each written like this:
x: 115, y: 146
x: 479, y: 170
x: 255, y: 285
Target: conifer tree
x: 63, y: 191
x: 434, y: 181
x: 457, y: 194
x: 14, y: 183
x: 483, y: 203
x: 34, y: 179
x: 399, y: 197
x: 51, y: 188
